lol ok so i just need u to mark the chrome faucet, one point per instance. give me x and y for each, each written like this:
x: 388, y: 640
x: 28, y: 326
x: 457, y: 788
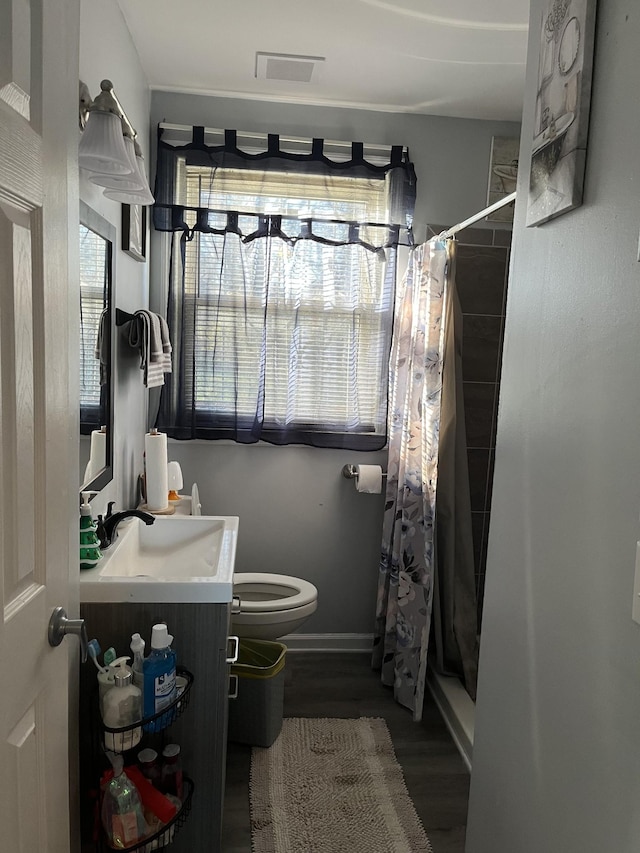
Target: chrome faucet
x: 106, y: 527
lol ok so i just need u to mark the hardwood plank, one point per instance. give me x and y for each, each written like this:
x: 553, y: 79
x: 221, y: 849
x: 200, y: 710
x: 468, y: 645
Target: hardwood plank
x: 343, y: 685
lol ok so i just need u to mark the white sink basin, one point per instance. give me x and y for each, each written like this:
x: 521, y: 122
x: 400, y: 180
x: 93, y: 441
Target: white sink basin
x: 186, y: 559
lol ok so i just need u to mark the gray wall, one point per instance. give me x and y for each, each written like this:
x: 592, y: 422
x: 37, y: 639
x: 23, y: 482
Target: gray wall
x: 558, y: 714
x: 106, y: 50
x: 297, y: 514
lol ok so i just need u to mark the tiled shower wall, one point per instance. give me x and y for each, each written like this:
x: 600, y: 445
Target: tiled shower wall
x: 481, y: 276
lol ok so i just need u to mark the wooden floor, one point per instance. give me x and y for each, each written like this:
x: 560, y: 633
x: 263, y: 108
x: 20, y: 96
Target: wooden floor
x: 343, y: 685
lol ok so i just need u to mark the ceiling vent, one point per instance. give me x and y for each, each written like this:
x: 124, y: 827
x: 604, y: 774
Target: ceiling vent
x: 288, y: 66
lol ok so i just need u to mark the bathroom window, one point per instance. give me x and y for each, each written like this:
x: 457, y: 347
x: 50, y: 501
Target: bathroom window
x: 281, y: 294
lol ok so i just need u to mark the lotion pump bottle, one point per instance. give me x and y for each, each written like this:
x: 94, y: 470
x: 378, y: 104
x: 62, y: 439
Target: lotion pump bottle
x: 90, y: 552
x: 107, y: 675
x: 122, y: 706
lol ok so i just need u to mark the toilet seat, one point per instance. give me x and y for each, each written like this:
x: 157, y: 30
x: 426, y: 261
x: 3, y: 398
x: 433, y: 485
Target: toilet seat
x: 282, y: 592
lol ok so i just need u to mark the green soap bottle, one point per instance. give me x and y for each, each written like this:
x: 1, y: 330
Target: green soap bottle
x: 90, y: 552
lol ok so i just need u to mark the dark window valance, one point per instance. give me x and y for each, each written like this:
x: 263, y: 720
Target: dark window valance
x: 250, y: 170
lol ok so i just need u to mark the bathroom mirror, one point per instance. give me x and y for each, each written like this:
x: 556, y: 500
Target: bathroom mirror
x: 97, y: 276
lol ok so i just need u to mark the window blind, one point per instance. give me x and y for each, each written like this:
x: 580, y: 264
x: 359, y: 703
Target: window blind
x: 308, y: 309
x: 281, y: 289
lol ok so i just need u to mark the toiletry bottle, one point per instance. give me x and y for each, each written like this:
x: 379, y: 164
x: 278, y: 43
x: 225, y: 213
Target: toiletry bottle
x: 107, y: 673
x: 90, y: 552
x: 121, y: 812
x: 137, y: 647
x: 159, y: 677
x: 171, y: 779
x: 148, y: 762
x: 122, y: 706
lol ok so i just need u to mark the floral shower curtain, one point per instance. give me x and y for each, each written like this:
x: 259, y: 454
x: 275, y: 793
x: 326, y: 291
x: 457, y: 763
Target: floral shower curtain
x: 406, y: 579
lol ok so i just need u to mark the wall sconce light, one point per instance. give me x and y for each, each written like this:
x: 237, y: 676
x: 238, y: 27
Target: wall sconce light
x: 108, y: 148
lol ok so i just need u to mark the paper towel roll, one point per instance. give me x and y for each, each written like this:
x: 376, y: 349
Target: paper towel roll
x: 369, y: 479
x: 155, y: 448
x: 97, y: 454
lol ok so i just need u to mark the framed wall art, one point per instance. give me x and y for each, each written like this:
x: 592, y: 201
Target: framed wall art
x: 134, y: 231
x: 561, y: 122
x: 503, y: 175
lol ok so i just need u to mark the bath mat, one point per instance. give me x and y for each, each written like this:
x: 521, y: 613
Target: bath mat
x: 332, y: 786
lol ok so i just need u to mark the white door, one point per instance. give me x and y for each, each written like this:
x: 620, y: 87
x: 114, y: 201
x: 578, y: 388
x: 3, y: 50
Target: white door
x: 38, y: 418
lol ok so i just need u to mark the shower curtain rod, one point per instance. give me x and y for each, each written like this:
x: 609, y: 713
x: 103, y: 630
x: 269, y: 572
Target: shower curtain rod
x: 476, y: 217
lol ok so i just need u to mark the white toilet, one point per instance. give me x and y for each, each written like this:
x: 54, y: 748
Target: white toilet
x: 271, y: 605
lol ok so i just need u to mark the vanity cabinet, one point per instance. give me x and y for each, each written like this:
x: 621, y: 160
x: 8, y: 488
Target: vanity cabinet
x: 200, y: 634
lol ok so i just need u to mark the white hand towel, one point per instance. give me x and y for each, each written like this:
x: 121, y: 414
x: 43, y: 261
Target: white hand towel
x: 155, y: 338
x: 166, y: 344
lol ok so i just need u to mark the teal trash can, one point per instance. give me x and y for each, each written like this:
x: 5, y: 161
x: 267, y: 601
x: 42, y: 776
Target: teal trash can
x: 255, y: 716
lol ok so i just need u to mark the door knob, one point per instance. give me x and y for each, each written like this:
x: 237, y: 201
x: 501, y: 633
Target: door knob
x: 60, y: 626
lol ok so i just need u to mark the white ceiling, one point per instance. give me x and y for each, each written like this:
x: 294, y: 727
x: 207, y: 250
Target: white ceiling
x: 442, y: 57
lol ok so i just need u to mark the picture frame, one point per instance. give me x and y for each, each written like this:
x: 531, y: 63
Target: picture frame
x: 134, y: 231
x: 503, y: 175
x: 561, y: 121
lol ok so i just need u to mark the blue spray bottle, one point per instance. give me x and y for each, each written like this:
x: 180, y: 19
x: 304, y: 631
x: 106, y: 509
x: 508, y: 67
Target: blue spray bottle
x: 159, y: 671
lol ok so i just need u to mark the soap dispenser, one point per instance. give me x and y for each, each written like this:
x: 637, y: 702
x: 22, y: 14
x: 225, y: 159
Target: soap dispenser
x: 121, y: 811
x: 107, y: 674
x: 122, y: 706
x: 90, y: 552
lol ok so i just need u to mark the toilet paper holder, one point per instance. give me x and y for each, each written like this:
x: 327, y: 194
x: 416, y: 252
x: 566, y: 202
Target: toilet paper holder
x: 350, y: 472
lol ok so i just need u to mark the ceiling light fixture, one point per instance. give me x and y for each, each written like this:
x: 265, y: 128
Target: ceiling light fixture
x: 108, y: 149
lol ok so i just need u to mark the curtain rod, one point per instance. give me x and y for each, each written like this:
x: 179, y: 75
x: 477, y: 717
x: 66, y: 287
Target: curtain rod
x: 476, y: 217
x: 291, y: 140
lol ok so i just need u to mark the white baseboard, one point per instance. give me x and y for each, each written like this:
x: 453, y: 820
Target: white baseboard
x: 328, y: 642
x: 457, y: 709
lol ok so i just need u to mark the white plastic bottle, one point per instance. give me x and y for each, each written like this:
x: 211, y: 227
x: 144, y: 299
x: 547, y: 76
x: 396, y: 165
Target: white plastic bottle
x: 107, y: 675
x: 122, y: 706
x: 137, y: 648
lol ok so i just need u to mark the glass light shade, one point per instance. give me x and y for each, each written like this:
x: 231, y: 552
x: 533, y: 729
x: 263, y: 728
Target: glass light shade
x: 130, y: 197
x: 102, y: 147
x: 142, y: 196
x: 132, y: 182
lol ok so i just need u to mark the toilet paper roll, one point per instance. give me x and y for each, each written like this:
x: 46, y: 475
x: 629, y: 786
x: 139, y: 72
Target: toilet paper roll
x: 155, y: 449
x: 369, y: 479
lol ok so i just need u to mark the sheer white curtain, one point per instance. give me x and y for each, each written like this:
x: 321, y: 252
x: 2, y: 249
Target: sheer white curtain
x: 281, y: 289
